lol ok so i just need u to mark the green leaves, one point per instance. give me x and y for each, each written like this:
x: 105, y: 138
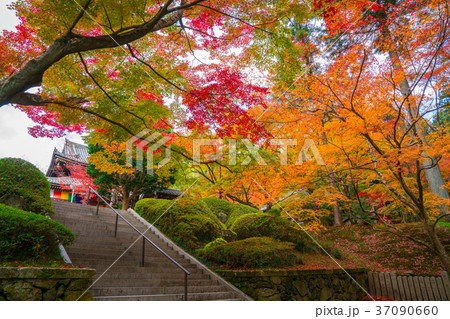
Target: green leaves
x: 28, y: 236
x: 22, y: 183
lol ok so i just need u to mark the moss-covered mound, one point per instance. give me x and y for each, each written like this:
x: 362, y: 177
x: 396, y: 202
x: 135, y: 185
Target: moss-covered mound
x: 23, y: 186
x: 232, y: 211
x: 187, y: 221
x: 267, y: 225
x: 264, y: 225
x: 261, y: 252
x: 28, y: 236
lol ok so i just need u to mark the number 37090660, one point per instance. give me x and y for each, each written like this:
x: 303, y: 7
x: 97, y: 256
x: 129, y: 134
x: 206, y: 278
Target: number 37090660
x: 407, y: 310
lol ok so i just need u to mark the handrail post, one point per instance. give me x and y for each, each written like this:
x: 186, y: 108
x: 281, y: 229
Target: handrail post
x: 98, y: 204
x: 143, y: 252
x: 115, y: 231
x: 185, y: 287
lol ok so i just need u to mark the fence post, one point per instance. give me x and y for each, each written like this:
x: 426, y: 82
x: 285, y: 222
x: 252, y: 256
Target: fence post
x: 115, y: 230
x: 185, y: 287
x: 143, y: 252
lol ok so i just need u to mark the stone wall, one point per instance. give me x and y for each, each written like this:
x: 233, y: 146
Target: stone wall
x: 45, y: 283
x: 318, y: 284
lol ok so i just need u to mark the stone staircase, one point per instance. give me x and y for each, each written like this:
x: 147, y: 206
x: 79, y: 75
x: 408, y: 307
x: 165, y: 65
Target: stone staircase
x: 123, y: 278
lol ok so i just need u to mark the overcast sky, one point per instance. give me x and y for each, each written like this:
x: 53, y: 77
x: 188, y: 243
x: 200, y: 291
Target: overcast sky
x: 14, y: 138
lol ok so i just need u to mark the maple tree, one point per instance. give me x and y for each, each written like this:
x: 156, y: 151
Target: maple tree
x: 372, y: 100
x: 110, y: 173
x: 106, y: 60
x: 357, y: 77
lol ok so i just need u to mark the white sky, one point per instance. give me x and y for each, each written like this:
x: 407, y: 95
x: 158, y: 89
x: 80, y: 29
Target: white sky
x: 14, y: 138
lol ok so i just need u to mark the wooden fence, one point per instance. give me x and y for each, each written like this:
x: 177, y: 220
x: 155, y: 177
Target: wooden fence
x: 388, y: 284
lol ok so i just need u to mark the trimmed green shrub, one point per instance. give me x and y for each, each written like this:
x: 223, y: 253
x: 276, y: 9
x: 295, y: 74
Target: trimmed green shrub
x: 217, y: 205
x: 230, y: 209
x: 267, y: 225
x: 259, y: 252
x: 187, y: 221
x: 241, y: 210
x: 28, y: 236
x: 216, y: 242
x: 264, y: 225
x: 23, y: 186
x: 274, y: 211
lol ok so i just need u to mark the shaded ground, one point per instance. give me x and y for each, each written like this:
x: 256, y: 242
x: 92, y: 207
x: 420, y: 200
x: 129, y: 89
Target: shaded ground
x: 378, y: 250
x: 373, y: 248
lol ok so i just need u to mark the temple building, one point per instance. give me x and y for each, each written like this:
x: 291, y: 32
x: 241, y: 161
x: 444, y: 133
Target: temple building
x: 67, y: 165
x: 59, y: 175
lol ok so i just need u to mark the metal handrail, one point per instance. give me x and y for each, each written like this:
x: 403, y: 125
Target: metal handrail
x: 145, y: 238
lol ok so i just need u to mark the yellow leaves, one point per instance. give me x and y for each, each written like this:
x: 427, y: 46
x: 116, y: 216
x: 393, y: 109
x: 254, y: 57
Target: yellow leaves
x: 308, y: 209
x: 436, y: 205
x: 107, y: 161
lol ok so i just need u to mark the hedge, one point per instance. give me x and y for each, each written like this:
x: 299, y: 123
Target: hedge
x: 267, y: 225
x: 264, y: 225
x: 21, y: 182
x: 232, y: 210
x: 260, y: 252
x: 28, y: 236
x: 187, y: 221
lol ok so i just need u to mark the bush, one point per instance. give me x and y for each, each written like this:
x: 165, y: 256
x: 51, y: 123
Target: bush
x: 259, y: 252
x: 274, y: 211
x: 28, y: 236
x: 266, y: 225
x: 23, y: 186
x: 232, y: 210
x: 187, y: 221
x: 215, y: 242
x: 218, y: 206
x: 329, y: 247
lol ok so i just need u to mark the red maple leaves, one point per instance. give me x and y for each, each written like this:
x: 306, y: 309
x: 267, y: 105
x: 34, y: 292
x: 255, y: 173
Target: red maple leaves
x: 222, y: 102
x: 18, y: 47
x: 48, y: 123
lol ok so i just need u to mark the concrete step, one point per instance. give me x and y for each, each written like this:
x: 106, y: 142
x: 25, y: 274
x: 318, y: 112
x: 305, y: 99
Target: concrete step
x: 134, y: 267
x: 124, y: 279
x: 95, y: 244
x: 116, y: 250
x: 135, y: 262
x: 170, y: 297
x: 155, y: 282
x: 166, y: 277
x: 120, y: 291
x: 112, y: 246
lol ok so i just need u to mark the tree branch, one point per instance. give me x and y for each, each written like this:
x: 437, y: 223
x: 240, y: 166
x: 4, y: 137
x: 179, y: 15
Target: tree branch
x: 78, y: 18
x: 37, y: 100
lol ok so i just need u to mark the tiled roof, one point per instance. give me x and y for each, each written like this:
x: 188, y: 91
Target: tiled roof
x: 170, y: 191
x: 75, y: 151
x: 63, y: 180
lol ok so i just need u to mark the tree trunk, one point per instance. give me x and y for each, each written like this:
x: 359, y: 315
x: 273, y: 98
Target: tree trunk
x: 433, y: 173
x: 336, y: 211
x: 125, y: 200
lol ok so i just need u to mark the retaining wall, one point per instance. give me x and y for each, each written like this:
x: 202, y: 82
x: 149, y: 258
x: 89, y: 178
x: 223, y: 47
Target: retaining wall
x: 40, y: 284
x: 318, y: 284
